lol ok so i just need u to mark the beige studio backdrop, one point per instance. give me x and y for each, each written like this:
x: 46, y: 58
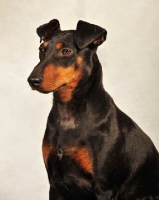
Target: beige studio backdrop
x: 130, y: 60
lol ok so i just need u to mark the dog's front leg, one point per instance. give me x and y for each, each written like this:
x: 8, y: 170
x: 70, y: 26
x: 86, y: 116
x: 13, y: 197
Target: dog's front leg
x: 54, y: 194
x: 107, y: 195
x: 103, y: 193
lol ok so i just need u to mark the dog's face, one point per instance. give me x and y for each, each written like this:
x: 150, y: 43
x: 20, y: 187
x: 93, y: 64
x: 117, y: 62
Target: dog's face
x: 60, y: 65
x: 64, y: 56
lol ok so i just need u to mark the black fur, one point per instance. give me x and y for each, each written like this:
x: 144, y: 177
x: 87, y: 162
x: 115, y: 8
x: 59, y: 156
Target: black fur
x: 109, y: 156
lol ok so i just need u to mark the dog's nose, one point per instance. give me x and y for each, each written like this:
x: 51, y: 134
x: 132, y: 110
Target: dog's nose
x: 35, y: 81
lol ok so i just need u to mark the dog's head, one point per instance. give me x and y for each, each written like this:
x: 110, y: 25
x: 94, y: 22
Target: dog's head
x: 65, y: 57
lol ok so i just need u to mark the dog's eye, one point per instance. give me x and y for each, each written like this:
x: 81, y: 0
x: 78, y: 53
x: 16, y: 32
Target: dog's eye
x: 66, y: 52
x: 41, y: 50
x: 41, y: 53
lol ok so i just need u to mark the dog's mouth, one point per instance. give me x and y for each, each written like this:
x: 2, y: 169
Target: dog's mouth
x: 43, y: 91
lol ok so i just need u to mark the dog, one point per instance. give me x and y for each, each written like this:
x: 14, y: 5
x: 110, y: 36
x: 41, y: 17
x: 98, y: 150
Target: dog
x: 91, y: 149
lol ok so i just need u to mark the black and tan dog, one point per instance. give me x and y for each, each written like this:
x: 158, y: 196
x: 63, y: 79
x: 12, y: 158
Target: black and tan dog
x: 91, y: 149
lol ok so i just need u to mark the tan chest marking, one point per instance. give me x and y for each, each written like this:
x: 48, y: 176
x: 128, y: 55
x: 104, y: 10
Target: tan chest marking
x: 45, y: 44
x: 47, y: 149
x: 82, y: 157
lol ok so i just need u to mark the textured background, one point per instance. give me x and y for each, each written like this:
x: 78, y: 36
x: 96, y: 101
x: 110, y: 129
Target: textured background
x: 130, y: 60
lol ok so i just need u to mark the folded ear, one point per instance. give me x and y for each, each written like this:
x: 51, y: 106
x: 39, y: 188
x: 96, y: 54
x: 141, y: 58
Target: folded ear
x: 87, y: 34
x: 45, y: 31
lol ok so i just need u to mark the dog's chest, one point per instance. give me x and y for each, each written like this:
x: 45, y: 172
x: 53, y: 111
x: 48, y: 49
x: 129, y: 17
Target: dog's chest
x: 68, y: 157
x: 66, y: 119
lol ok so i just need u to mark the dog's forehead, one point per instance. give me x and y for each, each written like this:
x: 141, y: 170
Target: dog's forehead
x: 63, y: 36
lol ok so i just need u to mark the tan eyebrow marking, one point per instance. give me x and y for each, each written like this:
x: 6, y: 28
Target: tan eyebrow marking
x: 45, y: 44
x: 59, y: 45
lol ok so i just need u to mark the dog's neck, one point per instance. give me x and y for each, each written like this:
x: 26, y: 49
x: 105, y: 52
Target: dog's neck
x: 84, y: 90
x: 89, y: 92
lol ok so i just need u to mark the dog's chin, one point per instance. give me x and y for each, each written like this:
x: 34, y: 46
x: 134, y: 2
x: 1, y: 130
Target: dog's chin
x: 48, y: 91
x: 44, y: 92
x: 41, y: 90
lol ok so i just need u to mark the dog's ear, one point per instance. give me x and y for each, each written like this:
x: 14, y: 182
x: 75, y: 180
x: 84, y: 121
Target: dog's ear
x: 45, y: 31
x: 89, y: 34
